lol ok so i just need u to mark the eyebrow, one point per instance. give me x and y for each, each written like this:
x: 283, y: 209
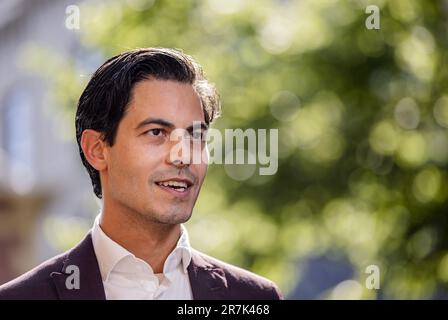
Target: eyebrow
x: 166, y: 123
x: 203, y: 127
x: 160, y: 121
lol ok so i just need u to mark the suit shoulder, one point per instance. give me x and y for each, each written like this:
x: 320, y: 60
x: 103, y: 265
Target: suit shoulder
x: 239, y: 278
x: 35, y: 283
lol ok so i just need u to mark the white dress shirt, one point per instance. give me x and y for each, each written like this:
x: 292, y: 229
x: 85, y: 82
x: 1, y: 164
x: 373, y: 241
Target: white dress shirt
x: 127, y: 277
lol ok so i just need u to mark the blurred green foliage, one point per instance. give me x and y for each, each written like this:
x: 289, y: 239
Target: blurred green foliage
x: 363, y: 141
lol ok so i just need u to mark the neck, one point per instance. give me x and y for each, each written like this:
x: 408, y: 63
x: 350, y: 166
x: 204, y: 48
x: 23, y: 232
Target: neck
x: 150, y: 241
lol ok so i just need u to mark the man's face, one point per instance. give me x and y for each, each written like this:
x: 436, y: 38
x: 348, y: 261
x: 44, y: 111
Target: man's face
x: 143, y: 175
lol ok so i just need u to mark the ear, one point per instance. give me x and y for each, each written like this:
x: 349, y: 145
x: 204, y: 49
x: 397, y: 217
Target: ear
x: 94, y: 149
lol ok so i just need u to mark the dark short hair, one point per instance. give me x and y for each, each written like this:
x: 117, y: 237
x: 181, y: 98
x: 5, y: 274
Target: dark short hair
x: 105, y: 98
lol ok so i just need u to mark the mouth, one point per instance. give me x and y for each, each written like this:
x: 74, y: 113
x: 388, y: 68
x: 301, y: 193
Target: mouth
x: 176, y: 186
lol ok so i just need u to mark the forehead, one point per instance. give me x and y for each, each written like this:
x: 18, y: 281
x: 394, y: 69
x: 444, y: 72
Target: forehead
x: 174, y: 101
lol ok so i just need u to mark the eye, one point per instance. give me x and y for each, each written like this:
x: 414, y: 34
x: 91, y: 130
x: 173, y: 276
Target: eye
x: 197, y: 135
x: 156, y: 132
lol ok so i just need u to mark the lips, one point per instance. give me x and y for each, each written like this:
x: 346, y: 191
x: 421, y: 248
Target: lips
x: 179, y: 186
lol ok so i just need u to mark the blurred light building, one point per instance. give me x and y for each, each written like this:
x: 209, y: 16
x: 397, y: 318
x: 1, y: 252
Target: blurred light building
x: 41, y: 176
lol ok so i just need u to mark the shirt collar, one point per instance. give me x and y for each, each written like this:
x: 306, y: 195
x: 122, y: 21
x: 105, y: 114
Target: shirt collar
x: 109, y: 253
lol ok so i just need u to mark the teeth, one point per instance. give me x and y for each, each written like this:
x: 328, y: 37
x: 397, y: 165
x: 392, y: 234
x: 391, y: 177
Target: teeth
x: 179, y: 184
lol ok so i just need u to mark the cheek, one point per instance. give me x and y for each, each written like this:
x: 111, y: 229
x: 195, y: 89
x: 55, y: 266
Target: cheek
x: 121, y: 172
x: 131, y: 167
x: 201, y: 171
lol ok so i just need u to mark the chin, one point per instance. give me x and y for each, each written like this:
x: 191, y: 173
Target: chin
x: 170, y: 215
x: 174, y: 220
x: 178, y: 216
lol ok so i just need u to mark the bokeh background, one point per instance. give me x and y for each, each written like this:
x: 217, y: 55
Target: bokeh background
x: 363, y: 142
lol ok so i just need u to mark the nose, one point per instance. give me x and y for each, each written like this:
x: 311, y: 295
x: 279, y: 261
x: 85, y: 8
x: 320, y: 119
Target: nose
x: 180, y: 153
x: 179, y: 164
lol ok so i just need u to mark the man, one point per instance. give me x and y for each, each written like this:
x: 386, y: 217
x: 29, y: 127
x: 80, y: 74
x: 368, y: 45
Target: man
x: 138, y: 248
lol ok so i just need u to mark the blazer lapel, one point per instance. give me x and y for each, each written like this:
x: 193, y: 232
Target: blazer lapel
x: 207, y: 281
x: 84, y: 259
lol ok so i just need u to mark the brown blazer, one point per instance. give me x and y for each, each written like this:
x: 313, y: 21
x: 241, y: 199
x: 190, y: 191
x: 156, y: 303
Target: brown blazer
x: 210, y: 279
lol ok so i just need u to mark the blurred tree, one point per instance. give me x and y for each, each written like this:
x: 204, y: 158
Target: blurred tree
x: 362, y: 118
